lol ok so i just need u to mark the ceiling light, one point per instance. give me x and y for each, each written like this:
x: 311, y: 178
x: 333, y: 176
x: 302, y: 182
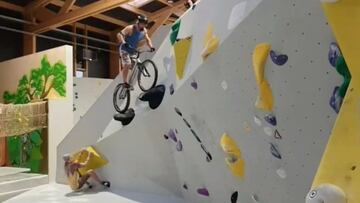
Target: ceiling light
x: 139, y: 3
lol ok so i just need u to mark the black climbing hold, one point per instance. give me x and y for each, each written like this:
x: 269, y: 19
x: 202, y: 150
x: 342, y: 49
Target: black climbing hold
x: 208, y: 155
x: 275, y: 151
x: 154, y: 96
x: 185, y: 186
x: 234, y: 197
x: 178, y: 111
x: 126, y: 117
x: 172, y: 90
x: 195, y: 135
x: 194, y: 84
x: 166, y: 137
x: 187, y: 123
x: 277, y: 135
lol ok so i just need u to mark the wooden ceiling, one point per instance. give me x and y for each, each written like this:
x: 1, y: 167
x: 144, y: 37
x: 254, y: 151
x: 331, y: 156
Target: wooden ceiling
x: 101, y: 17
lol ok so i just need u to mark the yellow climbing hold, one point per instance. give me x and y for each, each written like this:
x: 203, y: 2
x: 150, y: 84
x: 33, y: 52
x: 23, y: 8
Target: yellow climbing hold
x: 265, y: 98
x: 233, y: 155
x: 95, y: 162
x: 181, y: 49
x: 211, y: 42
x: 340, y: 164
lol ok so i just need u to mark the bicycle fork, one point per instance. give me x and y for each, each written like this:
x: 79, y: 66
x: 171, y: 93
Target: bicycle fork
x: 144, y: 71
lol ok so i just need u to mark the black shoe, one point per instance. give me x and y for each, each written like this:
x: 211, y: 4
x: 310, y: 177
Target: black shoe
x: 89, y: 185
x: 106, y: 183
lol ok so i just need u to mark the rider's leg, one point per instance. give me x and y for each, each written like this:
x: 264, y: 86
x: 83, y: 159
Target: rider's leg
x: 126, y: 65
x: 94, y: 176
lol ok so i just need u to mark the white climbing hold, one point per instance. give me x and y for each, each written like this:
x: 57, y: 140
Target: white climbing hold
x: 281, y: 173
x: 224, y: 85
x: 255, y: 198
x: 257, y: 121
x: 326, y: 193
x: 237, y: 15
x: 268, y: 131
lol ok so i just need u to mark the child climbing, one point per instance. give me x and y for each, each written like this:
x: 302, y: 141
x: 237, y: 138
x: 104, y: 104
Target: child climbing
x: 75, y: 179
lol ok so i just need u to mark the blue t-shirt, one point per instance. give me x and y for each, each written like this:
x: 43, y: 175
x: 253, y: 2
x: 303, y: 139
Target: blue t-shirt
x: 133, y: 40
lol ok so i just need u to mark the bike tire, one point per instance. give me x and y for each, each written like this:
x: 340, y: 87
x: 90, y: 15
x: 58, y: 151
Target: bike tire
x: 143, y: 64
x: 115, y: 99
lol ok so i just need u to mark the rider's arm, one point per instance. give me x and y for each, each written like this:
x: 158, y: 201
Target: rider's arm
x: 123, y: 33
x: 148, y: 40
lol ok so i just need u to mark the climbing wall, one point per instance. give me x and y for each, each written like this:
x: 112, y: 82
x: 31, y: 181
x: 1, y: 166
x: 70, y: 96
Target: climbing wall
x: 245, y: 118
x: 86, y: 92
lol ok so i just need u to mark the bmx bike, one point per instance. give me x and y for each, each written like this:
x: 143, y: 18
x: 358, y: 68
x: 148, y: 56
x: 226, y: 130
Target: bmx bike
x: 146, y: 74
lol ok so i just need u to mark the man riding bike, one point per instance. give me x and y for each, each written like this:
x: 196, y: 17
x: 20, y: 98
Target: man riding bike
x: 129, y: 39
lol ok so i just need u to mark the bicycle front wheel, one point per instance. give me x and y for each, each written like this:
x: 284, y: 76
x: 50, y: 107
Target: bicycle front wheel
x: 121, y: 98
x: 148, y: 75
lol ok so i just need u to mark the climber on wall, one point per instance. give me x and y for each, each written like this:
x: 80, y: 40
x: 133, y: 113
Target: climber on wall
x: 129, y: 39
x: 75, y: 179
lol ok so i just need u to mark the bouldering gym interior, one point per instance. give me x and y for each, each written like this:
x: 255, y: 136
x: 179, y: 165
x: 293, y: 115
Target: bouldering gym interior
x: 179, y: 101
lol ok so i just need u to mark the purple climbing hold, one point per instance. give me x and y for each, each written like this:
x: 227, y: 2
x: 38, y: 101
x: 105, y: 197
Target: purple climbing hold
x: 194, y: 84
x: 335, y: 101
x: 271, y: 119
x: 179, y: 146
x: 275, y: 151
x: 203, y: 191
x: 334, y: 53
x: 172, y: 90
x: 172, y: 135
x: 278, y: 59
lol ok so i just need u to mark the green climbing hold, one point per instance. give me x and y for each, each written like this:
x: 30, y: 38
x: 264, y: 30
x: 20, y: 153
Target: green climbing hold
x: 343, y: 70
x: 175, y: 28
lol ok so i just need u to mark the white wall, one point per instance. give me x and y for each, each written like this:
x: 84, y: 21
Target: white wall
x: 142, y: 160
x: 86, y: 92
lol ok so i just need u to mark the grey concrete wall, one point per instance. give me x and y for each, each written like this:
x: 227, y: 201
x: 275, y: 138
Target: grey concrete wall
x: 142, y: 160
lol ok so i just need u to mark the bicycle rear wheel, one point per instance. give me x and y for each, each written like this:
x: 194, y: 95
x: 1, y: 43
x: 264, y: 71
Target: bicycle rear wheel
x: 148, y: 75
x: 121, y: 98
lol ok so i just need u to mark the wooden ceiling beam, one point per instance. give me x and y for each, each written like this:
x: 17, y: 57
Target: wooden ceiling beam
x: 159, y: 22
x: 160, y: 12
x: 76, y: 15
x: 13, y: 7
x: 135, y: 10
x: 66, y: 7
x: 98, y: 16
x: 34, y: 5
x: 166, y: 3
x: 47, y: 14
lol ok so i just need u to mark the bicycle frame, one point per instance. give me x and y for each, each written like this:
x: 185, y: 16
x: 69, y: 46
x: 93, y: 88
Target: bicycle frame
x: 137, y: 68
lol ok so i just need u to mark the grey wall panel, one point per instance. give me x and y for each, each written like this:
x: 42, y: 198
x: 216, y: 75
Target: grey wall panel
x: 142, y: 160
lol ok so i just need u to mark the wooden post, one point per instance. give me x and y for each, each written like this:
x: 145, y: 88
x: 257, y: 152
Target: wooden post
x: 114, y: 58
x: 86, y: 62
x: 29, y: 41
x: 74, y: 49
